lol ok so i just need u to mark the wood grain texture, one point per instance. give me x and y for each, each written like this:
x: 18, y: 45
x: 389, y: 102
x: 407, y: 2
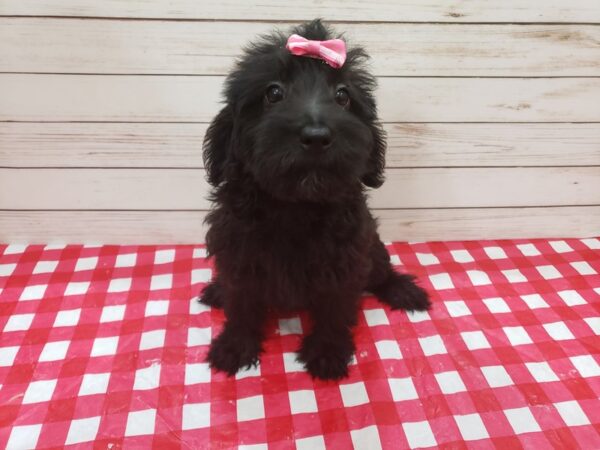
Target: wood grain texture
x: 409, y: 145
x: 353, y: 10
x: 184, y: 227
x: 209, y: 48
x: 177, y: 189
x: 182, y: 99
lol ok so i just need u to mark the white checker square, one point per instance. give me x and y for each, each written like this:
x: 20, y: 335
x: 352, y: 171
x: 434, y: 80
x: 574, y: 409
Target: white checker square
x: 496, y: 305
x: 303, y: 401
x: 77, y: 288
x: 291, y: 364
x: 427, y: 259
x: 39, y: 391
x: 572, y: 298
x: 558, y: 331
x: 528, y: 250
x: 441, y: 281
x: 432, y: 345
x: 457, y: 308
x: 197, y: 373
x: 583, y: 268
x: 388, y: 349
x: 86, y: 263
x: 450, y: 382
x: 521, y: 420
x: 196, y: 307
x: 7, y: 269
x: 94, y: 383
x: 105, y: 346
x: 127, y: 260
x: 475, y: 340
x: 311, y: 443
x: 541, y: 372
x: 140, y: 423
x: 366, y: 438
x: 517, y: 335
x: 42, y: 267
x: 157, y: 308
x: 514, y: 276
x: 152, y: 339
x: 55, y: 246
x: 112, y: 313
x: 13, y: 249
x: 594, y: 324
x: 402, y: 389
x: 147, y: 378
x: 54, y: 351
x: 83, y: 430
x: 534, y: 301
x: 376, y: 317
x: 395, y: 260
x: 35, y: 292
x: 198, y: 336
x: 248, y: 372
x: 7, y: 356
x: 496, y: 376
x: 419, y: 434
x: 119, y: 285
x: 548, y: 272
x: 560, y: 246
x: 24, y: 436
x: 290, y: 326
x: 164, y: 281
x: 478, y: 277
x: 199, y: 253
x: 250, y: 408
x: 19, y: 322
x: 571, y: 413
x: 164, y: 256
x: 471, y: 427
x: 67, y: 318
x: 586, y: 365
x: 195, y: 415
x: 354, y: 394
x: 592, y: 243
x: 495, y: 252
x: 201, y: 275
x: 418, y: 316
x: 461, y: 256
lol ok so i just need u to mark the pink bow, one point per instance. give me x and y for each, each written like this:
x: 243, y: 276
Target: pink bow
x: 333, y: 52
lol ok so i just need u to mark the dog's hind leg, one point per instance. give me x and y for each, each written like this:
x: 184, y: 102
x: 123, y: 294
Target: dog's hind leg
x: 397, y: 290
x: 211, y: 295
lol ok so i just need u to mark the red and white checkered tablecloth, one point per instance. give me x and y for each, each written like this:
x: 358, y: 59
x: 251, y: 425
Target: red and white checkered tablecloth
x: 102, y: 347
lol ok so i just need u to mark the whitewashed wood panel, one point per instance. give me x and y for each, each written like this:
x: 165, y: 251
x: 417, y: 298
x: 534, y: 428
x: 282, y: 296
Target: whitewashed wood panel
x: 353, y: 10
x: 42, y: 45
x: 177, y: 189
x: 184, y: 227
x: 181, y: 99
x: 409, y: 145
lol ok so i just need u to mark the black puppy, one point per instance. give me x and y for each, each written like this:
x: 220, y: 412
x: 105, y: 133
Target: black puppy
x: 289, y: 156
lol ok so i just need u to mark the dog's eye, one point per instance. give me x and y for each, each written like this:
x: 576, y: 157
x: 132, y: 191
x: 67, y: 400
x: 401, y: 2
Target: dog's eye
x: 342, y: 97
x: 274, y: 93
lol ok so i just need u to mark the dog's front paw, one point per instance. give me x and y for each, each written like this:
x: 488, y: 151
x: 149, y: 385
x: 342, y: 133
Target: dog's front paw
x: 325, y: 360
x: 230, y: 352
x: 211, y: 295
x: 401, y: 292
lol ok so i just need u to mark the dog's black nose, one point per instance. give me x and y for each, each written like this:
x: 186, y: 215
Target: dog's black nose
x: 315, y: 137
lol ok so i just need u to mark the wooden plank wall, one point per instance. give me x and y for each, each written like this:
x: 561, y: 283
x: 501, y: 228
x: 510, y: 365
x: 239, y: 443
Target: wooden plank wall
x: 492, y: 109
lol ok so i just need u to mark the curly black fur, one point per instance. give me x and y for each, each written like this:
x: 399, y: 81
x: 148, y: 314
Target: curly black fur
x: 290, y: 229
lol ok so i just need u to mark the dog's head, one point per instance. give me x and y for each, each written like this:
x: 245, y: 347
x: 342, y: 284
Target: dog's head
x: 302, y: 129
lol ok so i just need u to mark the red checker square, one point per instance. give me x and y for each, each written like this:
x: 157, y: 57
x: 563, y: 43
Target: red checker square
x: 61, y: 409
x: 170, y: 396
x: 306, y: 425
x: 117, y: 402
x: 333, y: 420
x: 279, y: 428
x: 252, y: 432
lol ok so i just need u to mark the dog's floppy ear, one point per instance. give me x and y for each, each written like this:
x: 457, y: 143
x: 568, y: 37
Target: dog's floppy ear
x: 376, y: 163
x: 217, y: 143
